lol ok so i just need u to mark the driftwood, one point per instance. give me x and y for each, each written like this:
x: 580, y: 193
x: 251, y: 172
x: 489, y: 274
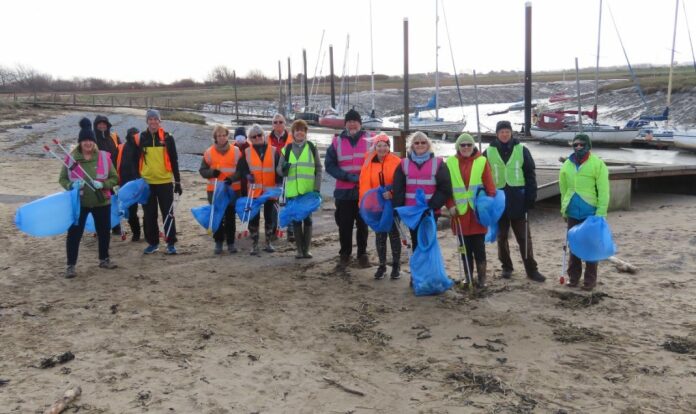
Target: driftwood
x: 343, y: 387
x: 60, y: 405
x: 622, y: 265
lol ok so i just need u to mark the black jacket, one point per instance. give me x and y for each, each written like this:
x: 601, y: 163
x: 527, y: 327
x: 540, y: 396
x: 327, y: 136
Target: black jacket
x: 518, y: 200
x: 146, y: 140
x: 104, y: 141
x: 130, y: 160
x: 443, y: 186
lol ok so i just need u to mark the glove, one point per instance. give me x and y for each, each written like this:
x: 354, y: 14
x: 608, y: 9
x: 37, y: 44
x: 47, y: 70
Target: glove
x: 77, y: 184
x: 177, y: 188
x: 216, y: 173
x: 453, y: 211
x: 286, y: 167
x: 250, y: 178
x: 228, y: 180
x: 116, y: 189
x: 98, y: 185
x: 353, y: 178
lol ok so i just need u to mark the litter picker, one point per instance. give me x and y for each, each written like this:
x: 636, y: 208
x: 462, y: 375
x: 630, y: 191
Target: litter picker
x: 212, y: 208
x: 170, y: 217
x: 462, y: 251
x: 246, y: 214
x: 563, y: 264
x: 526, y: 236
x: 50, y: 151
x: 282, y: 201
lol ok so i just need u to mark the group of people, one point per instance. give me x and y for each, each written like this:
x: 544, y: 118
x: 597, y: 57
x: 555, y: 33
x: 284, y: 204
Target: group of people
x: 255, y: 161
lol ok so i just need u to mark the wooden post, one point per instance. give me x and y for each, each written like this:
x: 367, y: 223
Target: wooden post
x: 93, y: 100
x: 333, y: 87
x: 406, y: 105
x: 528, y: 70
x: 236, y: 101
x: 74, y: 99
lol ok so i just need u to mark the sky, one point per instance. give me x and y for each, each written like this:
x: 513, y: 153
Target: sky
x: 131, y: 40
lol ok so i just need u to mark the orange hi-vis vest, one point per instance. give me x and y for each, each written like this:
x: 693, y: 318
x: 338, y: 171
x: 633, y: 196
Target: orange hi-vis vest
x: 114, y: 138
x: 226, y: 163
x: 167, y: 161
x: 372, y: 171
x: 262, y: 170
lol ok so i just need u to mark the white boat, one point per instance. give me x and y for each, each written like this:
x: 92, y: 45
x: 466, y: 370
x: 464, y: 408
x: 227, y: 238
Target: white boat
x: 685, y: 141
x: 434, y: 124
x: 599, y: 134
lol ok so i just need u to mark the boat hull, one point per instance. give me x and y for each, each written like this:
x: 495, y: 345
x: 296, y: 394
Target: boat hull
x: 372, y: 123
x: 433, y: 125
x: 685, y: 142
x: 332, y: 122
x: 607, y: 136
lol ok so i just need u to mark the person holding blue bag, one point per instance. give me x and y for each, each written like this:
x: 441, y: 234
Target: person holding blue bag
x: 87, y: 163
x: 219, y: 164
x: 378, y: 170
x: 127, y: 169
x: 300, y: 164
x: 584, y: 185
x: 469, y: 171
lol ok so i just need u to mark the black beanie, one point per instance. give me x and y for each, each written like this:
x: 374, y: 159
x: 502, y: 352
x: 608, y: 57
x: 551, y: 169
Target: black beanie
x: 584, y: 138
x: 353, y: 115
x: 503, y: 125
x: 86, y: 132
x: 240, y: 131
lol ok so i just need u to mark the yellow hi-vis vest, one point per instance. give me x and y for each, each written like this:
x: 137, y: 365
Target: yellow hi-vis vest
x: 301, y: 174
x: 463, y: 195
x: 510, y: 174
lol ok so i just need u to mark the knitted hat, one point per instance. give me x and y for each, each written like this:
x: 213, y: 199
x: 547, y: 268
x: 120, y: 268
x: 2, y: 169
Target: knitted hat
x: 381, y: 137
x: 86, y: 132
x: 464, y: 138
x: 584, y: 138
x: 240, y: 131
x: 503, y: 125
x: 152, y: 113
x: 353, y: 115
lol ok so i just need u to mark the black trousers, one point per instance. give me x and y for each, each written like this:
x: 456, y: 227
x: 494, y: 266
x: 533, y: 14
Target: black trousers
x: 518, y: 228
x: 162, y: 196
x: 394, y: 241
x: 270, y: 218
x: 475, y: 250
x: 102, y: 223
x: 348, y: 214
x: 575, y: 263
x: 133, y: 220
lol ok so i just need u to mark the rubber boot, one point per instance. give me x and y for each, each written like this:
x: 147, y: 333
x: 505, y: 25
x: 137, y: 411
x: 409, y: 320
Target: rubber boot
x: 481, y: 274
x: 218, y: 247
x: 299, y: 240
x: 254, y: 244
x: 306, y: 242
x: 292, y: 231
x: 270, y: 234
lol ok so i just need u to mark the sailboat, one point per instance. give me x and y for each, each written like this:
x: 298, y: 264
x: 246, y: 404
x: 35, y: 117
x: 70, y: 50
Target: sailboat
x: 371, y: 120
x: 434, y: 123
x: 560, y: 128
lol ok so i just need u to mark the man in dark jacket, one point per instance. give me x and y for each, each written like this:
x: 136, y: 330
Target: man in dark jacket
x: 513, y: 171
x: 127, y: 168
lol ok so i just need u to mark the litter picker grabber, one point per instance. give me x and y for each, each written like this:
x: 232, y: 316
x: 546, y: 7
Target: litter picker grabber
x: 462, y: 252
x: 99, y: 194
x: 402, y: 235
x: 50, y: 151
x: 246, y: 214
x: 561, y: 279
x: 526, y: 236
x: 212, y: 208
x: 282, y: 202
x: 169, y: 220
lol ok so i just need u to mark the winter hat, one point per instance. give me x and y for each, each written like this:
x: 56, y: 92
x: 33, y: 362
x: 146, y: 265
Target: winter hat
x: 584, y: 138
x: 86, y: 132
x: 464, y: 138
x: 152, y: 113
x: 381, y: 137
x: 353, y: 115
x: 503, y: 125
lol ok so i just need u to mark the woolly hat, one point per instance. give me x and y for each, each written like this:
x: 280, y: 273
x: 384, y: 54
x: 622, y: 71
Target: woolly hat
x: 86, y: 132
x: 503, y: 125
x: 464, y: 138
x: 240, y: 131
x: 353, y: 115
x: 584, y: 138
x: 381, y: 137
x: 152, y: 113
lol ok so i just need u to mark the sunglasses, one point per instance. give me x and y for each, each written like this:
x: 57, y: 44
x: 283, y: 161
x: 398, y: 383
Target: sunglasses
x: 256, y: 136
x: 421, y: 143
x: 466, y: 144
x: 578, y: 145
x: 278, y: 122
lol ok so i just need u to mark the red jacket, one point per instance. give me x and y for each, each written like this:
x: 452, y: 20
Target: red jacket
x: 470, y: 224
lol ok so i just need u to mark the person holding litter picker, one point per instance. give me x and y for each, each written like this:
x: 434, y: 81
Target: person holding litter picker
x: 92, y: 172
x: 469, y: 171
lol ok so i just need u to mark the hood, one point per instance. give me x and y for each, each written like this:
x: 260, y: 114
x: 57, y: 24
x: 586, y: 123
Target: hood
x: 102, y: 118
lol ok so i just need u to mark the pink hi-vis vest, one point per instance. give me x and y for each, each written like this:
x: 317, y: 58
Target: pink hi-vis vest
x: 423, y: 177
x: 75, y: 172
x: 350, y: 158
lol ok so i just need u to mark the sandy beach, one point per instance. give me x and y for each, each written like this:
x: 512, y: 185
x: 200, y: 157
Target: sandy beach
x: 198, y: 333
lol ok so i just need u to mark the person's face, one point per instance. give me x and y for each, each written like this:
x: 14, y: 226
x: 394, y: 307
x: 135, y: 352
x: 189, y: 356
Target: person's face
x: 382, y: 149
x: 102, y: 126
x: 420, y: 146
x: 352, y: 127
x: 256, y: 138
x: 279, y: 125
x: 504, y: 135
x: 153, y: 124
x: 466, y: 148
x: 87, y: 147
x: 221, y: 138
x: 578, y: 146
x: 299, y: 135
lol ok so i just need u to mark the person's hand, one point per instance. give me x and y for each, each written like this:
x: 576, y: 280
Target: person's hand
x: 98, y: 185
x: 387, y: 195
x: 228, y: 180
x: 177, y: 188
x: 453, y: 211
x: 353, y: 178
x: 216, y: 172
x: 77, y: 184
x: 116, y: 189
x: 250, y: 178
x: 286, y: 166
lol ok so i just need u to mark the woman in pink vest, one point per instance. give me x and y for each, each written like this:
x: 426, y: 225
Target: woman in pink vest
x: 421, y: 169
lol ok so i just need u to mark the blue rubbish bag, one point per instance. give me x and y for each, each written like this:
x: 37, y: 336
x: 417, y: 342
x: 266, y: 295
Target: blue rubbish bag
x: 591, y: 240
x: 241, y: 204
x: 427, y: 266
x: 49, y: 216
x: 116, y: 216
x: 299, y: 208
x: 492, y: 233
x: 136, y: 191
x: 489, y: 209
x: 376, y: 211
x: 222, y: 198
x: 412, y: 215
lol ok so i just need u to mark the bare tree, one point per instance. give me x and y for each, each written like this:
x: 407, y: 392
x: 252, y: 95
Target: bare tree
x: 220, y: 75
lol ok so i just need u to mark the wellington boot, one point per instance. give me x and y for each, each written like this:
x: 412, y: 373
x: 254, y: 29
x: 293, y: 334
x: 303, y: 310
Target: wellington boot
x: 306, y: 242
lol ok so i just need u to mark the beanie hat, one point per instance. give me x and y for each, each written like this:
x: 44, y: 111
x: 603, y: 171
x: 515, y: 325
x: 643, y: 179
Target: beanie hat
x: 240, y: 131
x: 353, y: 115
x: 464, y: 138
x: 381, y: 137
x: 584, y: 138
x: 503, y: 125
x: 86, y: 132
x: 152, y: 113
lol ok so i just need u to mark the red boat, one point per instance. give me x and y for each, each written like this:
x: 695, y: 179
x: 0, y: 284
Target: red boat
x: 331, y: 119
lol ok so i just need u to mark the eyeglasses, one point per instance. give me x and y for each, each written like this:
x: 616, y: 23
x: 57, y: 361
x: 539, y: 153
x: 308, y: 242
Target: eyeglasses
x: 278, y: 122
x: 578, y: 145
x: 466, y: 144
x: 421, y: 143
x: 256, y: 136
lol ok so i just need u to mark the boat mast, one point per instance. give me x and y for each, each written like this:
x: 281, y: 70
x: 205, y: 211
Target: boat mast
x: 372, y: 66
x: 596, y: 76
x: 437, y: 70
x: 671, y: 61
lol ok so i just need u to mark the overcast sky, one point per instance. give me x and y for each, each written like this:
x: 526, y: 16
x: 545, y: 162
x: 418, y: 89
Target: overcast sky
x: 165, y: 41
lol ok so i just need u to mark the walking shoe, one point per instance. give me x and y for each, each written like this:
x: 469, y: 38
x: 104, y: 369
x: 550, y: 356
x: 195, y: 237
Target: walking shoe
x: 381, y: 270
x: 506, y: 274
x: 70, y: 272
x: 218, y: 247
x: 231, y: 248
x: 254, y: 249
x: 269, y: 247
x: 536, y: 276
x: 588, y: 288
x: 573, y: 284
x: 151, y: 249
x: 395, y: 273
x: 364, y: 261
x: 171, y: 249
x: 344, y: 261
x: 107, y: 264
x: 135, y: 238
